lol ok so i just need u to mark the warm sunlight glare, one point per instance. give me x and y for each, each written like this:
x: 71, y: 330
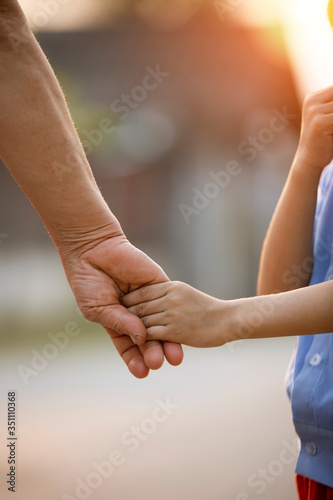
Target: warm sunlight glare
x: 308, y: 35
x: 309, y: 39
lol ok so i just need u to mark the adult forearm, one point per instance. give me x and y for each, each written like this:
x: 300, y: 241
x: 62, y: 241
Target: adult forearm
x: 304, y: 311
x: 39, y: 143
x: 40, y: 147
x: 286, y: 259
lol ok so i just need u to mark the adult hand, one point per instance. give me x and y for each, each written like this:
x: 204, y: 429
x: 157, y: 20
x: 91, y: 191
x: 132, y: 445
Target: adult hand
x: 99, y: 277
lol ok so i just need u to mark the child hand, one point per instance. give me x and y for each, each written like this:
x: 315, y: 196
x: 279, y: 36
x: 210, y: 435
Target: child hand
x: 175, y: 311
x: 315, y: 148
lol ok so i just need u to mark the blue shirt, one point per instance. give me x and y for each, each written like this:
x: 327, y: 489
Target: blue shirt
x: 310, y: 375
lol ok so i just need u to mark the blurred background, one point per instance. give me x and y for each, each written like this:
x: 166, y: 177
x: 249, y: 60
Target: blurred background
x: 164, y: 95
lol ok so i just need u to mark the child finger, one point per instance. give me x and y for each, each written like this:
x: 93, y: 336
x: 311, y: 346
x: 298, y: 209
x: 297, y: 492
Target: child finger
x: 326, y: 108
x: 147, y: 308
x: 158, y: 333
x: 154, y: 320
x: 324, y: 95
x: 145, y: 294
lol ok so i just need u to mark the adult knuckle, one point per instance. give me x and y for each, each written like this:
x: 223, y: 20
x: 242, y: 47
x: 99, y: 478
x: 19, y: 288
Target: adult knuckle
x: 89, y: 313
x: 116, y: 325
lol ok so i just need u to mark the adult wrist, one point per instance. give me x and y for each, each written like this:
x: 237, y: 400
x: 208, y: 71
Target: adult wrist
x: 84, y: 224
x: 72, y: 243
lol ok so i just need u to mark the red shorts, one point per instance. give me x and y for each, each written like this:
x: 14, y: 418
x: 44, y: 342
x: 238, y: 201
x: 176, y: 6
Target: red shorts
x: 311, y: 490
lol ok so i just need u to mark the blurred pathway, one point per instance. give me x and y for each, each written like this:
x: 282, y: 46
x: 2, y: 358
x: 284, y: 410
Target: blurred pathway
x: 200, y: 431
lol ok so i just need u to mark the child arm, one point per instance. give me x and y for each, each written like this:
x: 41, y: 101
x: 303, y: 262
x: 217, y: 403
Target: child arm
x: 176, y: 312
x: 287, y: 251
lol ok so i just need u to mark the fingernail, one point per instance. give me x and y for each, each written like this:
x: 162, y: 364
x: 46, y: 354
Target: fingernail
x: 133, y: 339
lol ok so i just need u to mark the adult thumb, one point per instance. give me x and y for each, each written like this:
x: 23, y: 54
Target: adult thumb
x: 118, y: 318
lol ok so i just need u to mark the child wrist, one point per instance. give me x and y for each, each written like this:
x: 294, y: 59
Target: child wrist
x: 304, y: 169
